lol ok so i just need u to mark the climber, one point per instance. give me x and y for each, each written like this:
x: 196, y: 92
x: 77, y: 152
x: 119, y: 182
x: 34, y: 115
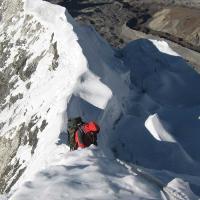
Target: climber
x: 81, y: 134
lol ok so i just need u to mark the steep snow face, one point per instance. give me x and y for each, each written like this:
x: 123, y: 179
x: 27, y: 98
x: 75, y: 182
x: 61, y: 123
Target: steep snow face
x: 52, y: 69
x: 149, y: 78
x: 159, y: 81
x: 42, y: 65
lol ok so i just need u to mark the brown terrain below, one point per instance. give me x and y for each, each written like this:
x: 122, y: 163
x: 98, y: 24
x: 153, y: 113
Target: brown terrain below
x: 183, y: 23
x: 120, y: 21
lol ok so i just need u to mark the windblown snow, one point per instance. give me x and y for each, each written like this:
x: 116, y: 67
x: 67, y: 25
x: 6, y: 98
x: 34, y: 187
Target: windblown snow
x: 145, y: 98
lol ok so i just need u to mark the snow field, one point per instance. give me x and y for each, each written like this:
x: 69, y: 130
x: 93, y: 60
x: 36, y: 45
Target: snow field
x: 86, y: 174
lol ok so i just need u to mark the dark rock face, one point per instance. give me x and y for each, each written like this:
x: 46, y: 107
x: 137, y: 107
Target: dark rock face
x: 8, y: 149
x: 18, y: 33
x: 24, y: 134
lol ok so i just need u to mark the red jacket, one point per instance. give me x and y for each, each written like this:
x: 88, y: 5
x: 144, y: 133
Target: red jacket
x: 85, y: 137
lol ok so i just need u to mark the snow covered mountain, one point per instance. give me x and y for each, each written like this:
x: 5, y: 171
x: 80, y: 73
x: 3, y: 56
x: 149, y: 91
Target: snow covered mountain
x: 145, y: 98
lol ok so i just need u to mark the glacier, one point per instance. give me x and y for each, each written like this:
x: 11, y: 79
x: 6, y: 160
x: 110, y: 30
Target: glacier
x: 145, y: 98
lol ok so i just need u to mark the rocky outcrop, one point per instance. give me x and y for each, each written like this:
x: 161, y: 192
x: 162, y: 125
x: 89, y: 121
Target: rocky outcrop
x: 8, y: 150
x: 19, y: 32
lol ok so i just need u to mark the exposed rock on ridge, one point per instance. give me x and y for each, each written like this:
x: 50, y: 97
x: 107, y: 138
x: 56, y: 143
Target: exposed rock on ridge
x: 19, y: 33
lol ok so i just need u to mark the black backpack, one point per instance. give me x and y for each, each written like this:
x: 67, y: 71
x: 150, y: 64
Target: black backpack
x: 72, y: 126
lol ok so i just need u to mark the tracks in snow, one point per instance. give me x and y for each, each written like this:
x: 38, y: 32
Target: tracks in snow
x: 167, y: 193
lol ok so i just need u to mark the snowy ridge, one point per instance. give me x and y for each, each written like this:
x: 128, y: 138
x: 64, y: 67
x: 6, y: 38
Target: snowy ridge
x: 56, y: 77
x: 78, y: 73
x: 99, y: 180
x: 64, y: 87
x: 55, y: 18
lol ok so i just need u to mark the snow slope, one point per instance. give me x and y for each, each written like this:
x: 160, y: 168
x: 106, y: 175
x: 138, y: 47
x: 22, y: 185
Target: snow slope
x: 140, y: 95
